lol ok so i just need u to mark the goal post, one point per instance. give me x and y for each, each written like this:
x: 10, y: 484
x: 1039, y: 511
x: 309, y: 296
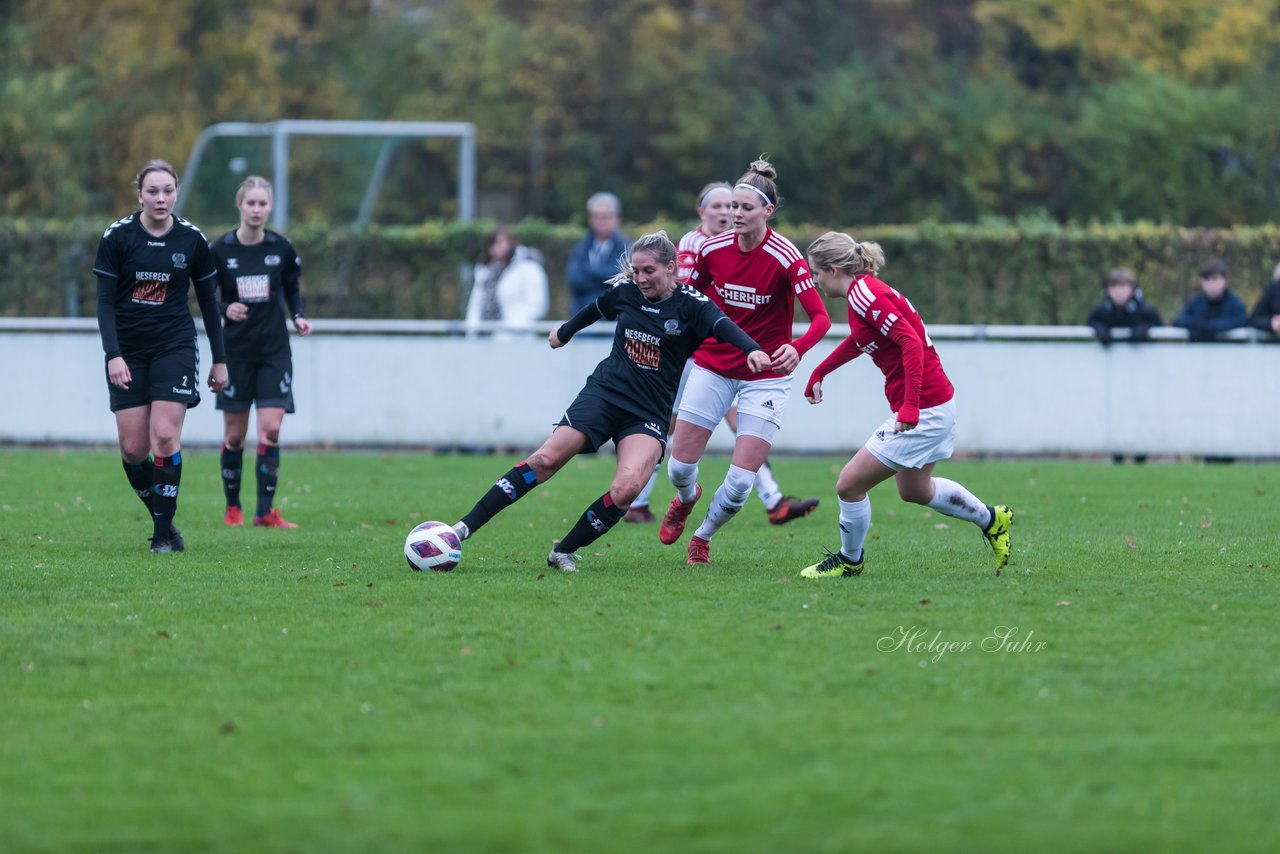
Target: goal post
x: 281, y: 131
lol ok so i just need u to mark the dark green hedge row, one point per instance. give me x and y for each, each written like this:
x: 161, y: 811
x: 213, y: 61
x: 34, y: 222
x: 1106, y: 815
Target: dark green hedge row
x: 1029, y: 272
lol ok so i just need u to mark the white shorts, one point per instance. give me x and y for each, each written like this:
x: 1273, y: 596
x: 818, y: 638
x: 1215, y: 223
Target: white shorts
x: 933, y: 439
x: 708, y: 396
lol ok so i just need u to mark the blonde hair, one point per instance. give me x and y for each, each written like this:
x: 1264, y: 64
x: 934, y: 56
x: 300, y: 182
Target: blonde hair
x: 657, y: 244
x: 761, y: 176
x: 254, y: 182
x: 155, y: 166
x: 847, y: 255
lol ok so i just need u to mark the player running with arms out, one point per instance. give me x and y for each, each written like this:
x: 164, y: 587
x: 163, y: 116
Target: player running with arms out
x: 146, y: 266
x: 628, y: 397
x: 258, y: 273
x: 922, y: 428
x: 715, y: 209
x: 755, y: 275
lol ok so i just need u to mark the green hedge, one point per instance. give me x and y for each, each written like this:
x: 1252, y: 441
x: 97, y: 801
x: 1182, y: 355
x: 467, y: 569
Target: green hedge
x: 1028, y: 272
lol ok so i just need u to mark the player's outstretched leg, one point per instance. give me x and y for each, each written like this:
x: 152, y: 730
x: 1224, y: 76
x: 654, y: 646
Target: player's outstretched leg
x: 952, y: 499
x: 593, y: 524
x: 506, y: 490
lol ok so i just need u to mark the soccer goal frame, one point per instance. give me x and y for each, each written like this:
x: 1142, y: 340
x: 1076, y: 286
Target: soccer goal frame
x: 281, y: 131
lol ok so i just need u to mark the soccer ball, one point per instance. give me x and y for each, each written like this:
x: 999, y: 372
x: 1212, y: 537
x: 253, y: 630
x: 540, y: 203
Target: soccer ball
x: 434, y: 546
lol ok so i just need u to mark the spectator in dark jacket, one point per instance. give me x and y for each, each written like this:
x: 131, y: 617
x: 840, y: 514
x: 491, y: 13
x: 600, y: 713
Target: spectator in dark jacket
x: 1215, y: 309
x: 1266, y: 311
x: 1122, y: 306
x: 594, y: 260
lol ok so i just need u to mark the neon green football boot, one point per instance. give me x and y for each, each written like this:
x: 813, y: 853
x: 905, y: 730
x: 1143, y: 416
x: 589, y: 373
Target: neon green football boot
x: 997, y: 534
x: 834, y: 565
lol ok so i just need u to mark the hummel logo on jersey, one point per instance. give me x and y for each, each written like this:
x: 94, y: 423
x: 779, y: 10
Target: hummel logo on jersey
x: 768, y: 404
x: 875, y: 315
x: 650, y: 309
x: 233, y: 264
x: 155, y: 243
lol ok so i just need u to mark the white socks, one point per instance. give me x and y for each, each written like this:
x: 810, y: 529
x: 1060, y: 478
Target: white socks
x: 728, y: 500
x: 684, y: 477
x: 952, y: 499
x: 855, y: 521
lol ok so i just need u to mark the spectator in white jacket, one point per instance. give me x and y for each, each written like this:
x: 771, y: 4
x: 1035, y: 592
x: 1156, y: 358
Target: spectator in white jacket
x: 509, y: 285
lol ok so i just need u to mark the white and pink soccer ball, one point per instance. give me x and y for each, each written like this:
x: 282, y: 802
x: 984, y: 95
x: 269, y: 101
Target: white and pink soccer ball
x: 433, y: 546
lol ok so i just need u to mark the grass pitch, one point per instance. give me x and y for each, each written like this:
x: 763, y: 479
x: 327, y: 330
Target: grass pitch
x: 1115, y: 688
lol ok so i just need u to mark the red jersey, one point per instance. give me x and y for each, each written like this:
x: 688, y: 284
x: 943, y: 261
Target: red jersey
x: 885, y: 325
x: 687, y: 252
x: 755, y: 289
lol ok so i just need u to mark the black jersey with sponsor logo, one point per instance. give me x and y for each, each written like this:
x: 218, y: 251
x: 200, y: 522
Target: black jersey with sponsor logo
x: 153, y: 277
x: 651, y: 343
x: 264, y: 277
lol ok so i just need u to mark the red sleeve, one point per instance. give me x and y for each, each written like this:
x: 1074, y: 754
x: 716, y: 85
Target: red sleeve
x: 846, y: 351
x: 912, y: 349
x: 819, y: 320
x: 699, y: 277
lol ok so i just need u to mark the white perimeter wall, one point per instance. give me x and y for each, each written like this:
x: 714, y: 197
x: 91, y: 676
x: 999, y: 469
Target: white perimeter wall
x: 389, y: 383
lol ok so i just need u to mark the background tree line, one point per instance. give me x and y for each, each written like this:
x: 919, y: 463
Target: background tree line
x: 878, y: 111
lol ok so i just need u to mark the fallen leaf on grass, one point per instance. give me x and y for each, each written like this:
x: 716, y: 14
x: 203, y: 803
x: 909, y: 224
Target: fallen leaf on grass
x: 227, y: 727
x: 377, y: 604
x: 1130, y: 542
x: 163, y: 634
x: 466, y: 650
x: 872, y: 670
x: 1214, y: 606
x: 941, y: 526
x: 339, y: 584
x: 924, y: 601
x: 1064, y: 603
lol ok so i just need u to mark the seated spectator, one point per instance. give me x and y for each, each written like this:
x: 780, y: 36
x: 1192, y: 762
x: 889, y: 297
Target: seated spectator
x: 594, y: 260
x: 1122, y: 306
x: 1266, y: 311
x: 1215, y: 309
x: 509, y: 285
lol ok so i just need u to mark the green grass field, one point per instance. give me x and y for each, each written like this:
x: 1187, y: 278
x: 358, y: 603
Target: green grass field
x: 303, y: 691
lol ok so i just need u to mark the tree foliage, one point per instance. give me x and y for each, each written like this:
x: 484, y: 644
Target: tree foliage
x: 876, y: 111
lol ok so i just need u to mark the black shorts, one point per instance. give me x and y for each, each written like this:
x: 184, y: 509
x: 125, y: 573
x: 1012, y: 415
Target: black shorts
x: 268, y: 382
x: 599, y: 420
x: 167, y: 374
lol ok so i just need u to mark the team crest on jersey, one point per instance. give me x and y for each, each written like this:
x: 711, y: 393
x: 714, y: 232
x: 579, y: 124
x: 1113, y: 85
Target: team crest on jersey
x: 179, y: 261
x: 272, y: 260
x: 671, y: 326
x: 233, y: 264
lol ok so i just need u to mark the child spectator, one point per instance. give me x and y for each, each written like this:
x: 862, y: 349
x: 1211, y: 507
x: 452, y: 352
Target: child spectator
x: 1215, y: 309
x: 1122, y: 306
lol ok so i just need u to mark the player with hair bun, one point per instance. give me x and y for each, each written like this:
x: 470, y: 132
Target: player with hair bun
x: 147, y: 264
x: 715, y: 209
x: 922, y: 427
x: 659, y: 325
x: 258, y: 274
x: 755, y: 275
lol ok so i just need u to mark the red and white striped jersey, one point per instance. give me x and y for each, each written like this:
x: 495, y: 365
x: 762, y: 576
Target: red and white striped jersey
x: 687, y: 252
x: 886, y: 326
x: 757, y: 290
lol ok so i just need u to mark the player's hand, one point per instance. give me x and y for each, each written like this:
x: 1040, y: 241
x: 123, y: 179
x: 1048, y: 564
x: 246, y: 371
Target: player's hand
x: 813, y: 393
x: 237, y: 311
x: 903, y: 426
x: 118, y: 372
x: 786, y: 358
x: 302, y: 325
x: 217, y: 377
x: 758, y: 360
x: 554, y: 340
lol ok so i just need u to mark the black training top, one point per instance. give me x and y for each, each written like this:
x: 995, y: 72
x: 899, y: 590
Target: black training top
x: 258, y: 276
x: 652, y: 342
x: 143, y: 286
